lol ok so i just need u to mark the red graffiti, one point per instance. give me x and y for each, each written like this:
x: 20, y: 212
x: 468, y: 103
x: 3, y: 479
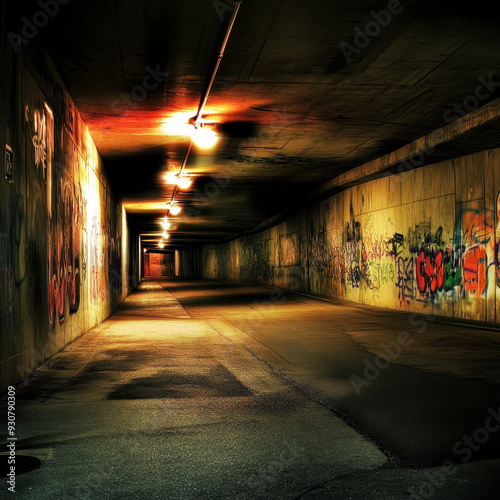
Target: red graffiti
x: 475, y: 266
x: 64, y: 256
x: 478, y: 227
x: 477, y: 239
x: 430, y: 271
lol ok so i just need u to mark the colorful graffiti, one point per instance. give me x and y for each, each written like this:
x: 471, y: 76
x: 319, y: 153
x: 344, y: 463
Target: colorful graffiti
x: 452, y: 270
x: 97, y: 291
x: 378, y: 273
x: 319, y: 257
x: 369, y: 259
x: 474, y: 248
x: 447, y: 257
x: 405, y: 279
x: 40, y: 140
x: 103, y: 243
x: 423, y: 266
x: 475, y: 265
x: 421, y: 236
x: 430, y: 270
x: 353, y: 276
x: 64, y: 253
x: 64, y: 225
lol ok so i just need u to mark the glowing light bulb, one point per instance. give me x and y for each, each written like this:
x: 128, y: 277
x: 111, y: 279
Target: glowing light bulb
x: 184, y: 182
x: 165, y: 235
x: 161, y: 244
x: 177, y: 124
x: 171, y: 178
x: 165, y: 224
x: 175, y: 209
x: 205, y: 138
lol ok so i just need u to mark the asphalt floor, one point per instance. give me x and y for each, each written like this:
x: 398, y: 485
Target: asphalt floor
x: 206, y: 390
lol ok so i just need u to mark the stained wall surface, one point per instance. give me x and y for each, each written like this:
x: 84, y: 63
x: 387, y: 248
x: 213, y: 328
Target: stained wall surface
x: 423, y: 240
x: 159, y: 264
x: 190, y: 264
x: 67, y: 258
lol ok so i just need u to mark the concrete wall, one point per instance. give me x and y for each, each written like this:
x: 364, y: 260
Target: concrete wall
x: 427, y: 239
x: 190, y: 263
x: 65, y: 259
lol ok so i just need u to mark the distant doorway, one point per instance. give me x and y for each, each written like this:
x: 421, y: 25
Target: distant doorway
x: 158, y: 264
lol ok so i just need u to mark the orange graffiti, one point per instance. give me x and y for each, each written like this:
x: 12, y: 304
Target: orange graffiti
x: 475, y: 266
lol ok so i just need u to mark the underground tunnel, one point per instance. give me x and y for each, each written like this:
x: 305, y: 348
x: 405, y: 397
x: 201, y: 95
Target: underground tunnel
x: 250, y: 250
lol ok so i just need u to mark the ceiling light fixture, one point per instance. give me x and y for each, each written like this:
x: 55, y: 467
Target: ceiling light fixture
x: 172, y: 178
x: 165, y: 224
x: 184, y: 182
x: 165, y: 235
x: 204, y: 138
x: 176, y: 124
x: 174, y: 209
x: 161, y: 245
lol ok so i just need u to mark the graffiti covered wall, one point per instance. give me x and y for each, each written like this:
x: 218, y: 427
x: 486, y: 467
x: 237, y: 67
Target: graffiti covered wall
x: 428, y: 239
x: 64, y: 257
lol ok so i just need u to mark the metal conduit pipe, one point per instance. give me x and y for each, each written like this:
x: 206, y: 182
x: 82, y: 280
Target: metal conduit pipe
x: 204, y: 98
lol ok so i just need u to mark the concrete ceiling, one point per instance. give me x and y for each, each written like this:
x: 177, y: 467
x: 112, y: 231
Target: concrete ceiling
x: 292, y: 112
